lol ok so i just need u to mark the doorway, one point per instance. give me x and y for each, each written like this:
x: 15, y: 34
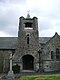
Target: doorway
x: 28, y: 62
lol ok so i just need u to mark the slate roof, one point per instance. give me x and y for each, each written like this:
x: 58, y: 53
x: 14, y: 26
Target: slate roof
x: 11, y: 42
x: 8, y: 42
x: 44, y: 39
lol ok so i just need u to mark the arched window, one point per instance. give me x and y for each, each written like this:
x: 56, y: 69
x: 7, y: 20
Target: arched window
x: 27, y: 38
x: 52, y: 55
x: 57, y: 53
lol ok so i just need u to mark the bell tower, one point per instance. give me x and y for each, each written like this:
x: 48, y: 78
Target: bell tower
x: 28, y: 43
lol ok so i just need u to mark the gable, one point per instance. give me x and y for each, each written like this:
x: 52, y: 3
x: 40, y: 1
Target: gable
x: 55, y: 40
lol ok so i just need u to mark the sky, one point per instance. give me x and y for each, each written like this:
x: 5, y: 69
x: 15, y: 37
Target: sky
x: 47, y: 12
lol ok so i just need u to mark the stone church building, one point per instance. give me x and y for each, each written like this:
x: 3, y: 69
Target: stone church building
x: 30, y: 52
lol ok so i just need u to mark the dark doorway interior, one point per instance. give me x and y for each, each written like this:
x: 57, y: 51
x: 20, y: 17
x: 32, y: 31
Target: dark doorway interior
x: 28, y: 62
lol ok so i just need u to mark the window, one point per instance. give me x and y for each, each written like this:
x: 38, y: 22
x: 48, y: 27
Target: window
x: 57, y: 53
x: 52, y: 55
x: 27, y: 38
x: 28, y: 25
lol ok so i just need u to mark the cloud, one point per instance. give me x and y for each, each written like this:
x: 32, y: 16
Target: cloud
x: 12, y: 1
x: 47, y: 11
x: 4, y: 34
x: 9, y: 20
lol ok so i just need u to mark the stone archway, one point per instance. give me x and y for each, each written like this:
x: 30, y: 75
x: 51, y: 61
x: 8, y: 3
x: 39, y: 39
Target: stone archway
x: 28, y: 62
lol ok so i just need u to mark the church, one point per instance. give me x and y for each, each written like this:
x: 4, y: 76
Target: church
x: 30, y: 52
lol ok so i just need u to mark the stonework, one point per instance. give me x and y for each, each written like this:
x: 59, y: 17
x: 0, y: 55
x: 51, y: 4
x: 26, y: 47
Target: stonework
x: 25, y: 50
x: 52, y: 63
x: 4, y: 61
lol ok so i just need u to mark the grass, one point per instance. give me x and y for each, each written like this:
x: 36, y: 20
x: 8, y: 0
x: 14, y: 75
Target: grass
x: 41, y: 77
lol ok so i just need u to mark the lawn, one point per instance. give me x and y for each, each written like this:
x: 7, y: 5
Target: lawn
x: 41, y: 77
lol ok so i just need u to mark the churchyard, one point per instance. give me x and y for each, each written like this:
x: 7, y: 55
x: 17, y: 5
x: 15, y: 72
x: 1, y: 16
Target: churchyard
x: 41, y: 77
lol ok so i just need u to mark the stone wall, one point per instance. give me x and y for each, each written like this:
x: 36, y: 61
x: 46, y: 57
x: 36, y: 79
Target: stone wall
x: 23, y: 48
x: 50, y: 64
x: 4, y: 60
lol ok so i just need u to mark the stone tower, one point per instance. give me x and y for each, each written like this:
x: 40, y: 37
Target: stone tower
x: 26, y: 55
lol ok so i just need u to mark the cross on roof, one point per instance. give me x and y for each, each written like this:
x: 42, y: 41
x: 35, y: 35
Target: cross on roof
x: 28, y: 15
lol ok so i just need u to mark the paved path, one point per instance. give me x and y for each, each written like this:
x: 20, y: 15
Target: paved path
x: 23, y: 73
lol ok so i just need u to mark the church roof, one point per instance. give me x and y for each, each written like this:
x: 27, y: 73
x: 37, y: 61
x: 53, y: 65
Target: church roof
x: 11, y: 42
x: 8, y: 42
x: 44, y: 39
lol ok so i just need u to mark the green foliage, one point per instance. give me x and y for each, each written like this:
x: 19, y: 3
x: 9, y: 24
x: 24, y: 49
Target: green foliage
x: 41, y: 77
x: 16, y: 69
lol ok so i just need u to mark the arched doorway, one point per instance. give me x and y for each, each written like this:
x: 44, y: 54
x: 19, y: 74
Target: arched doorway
x: 28, y: 62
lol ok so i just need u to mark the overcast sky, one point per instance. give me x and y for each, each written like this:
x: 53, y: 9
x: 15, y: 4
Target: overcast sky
x: 47, y: 12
